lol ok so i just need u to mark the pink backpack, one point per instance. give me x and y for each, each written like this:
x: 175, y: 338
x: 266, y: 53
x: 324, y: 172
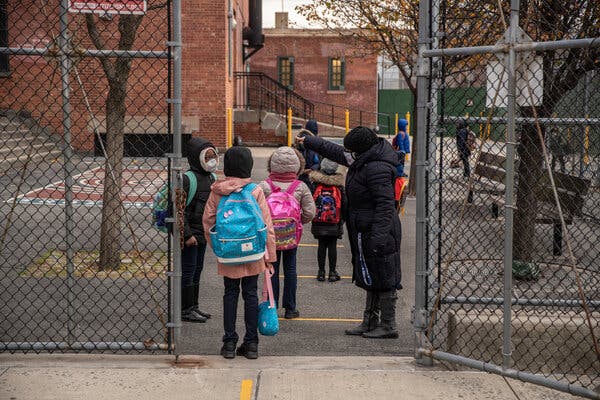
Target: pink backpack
x: 286, y: 214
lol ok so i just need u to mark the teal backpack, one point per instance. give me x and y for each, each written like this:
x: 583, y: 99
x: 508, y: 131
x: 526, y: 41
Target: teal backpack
x: 160, y: 206
x: 239, y: 235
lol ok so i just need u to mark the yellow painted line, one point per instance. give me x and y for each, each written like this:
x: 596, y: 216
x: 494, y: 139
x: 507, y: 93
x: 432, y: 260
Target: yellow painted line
x: 315, y: 277
x: 246, y: 391
x: 323, y: 319
x: 339, y: 246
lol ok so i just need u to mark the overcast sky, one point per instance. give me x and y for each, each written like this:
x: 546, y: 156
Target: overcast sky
x: 270, y: 7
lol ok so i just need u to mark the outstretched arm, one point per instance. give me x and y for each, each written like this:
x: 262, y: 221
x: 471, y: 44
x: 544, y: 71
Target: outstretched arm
x: 327, y: 149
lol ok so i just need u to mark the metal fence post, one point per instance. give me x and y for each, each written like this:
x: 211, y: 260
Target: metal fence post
x: 510, y: 180
x: 423, y: 70
x: 65, y: 69
x: 177, y: 178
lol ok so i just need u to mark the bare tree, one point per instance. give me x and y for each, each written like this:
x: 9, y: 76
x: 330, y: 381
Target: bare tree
x: 117, y: 73
x: 562, y: 69
x: 390, y: 28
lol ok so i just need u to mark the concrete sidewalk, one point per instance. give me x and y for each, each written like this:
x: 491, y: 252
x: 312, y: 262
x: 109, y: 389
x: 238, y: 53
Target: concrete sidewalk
x: 92, y: 377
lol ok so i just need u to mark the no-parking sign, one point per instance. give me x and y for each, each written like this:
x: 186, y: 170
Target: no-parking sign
x: 108, y: 6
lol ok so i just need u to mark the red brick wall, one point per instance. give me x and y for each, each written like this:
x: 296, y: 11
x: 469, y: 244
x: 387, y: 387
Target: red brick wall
x: 311, y: 50
x: 207, y: 87
x: 253, y: 135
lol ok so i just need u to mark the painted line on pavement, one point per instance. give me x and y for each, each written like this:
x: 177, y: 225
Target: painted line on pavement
x: 246, y: 390
x: 315, y: 277
x: 322, y: 319
x: 339, y: 246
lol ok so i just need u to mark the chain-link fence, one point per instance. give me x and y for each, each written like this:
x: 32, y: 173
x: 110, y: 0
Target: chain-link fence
x: 84, y: 126
x: 511, y: 189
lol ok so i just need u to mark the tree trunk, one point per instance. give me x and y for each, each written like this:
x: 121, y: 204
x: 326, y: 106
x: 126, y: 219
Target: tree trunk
x: 112, y: 210
x: 529, y: 174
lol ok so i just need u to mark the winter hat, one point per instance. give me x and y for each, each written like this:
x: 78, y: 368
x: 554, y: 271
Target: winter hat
x: 360, y: 139
x: 283, y: 160
x: 312, y: 126
x: 402, y: 124
x: 238, y: 162
x: 328, y: 167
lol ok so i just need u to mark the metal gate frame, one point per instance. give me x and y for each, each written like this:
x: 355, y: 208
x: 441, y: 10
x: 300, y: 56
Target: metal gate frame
x: 428, y: 53
x: 66, y: 55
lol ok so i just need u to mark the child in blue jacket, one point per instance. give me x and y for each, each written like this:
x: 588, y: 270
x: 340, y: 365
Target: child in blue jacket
x: 401, y: 144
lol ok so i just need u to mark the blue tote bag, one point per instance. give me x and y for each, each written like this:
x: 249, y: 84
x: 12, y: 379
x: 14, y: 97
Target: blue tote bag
x: 268, y: 323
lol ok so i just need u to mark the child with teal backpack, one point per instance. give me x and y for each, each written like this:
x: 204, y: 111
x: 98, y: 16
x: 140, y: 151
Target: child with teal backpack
x: 221, y: 215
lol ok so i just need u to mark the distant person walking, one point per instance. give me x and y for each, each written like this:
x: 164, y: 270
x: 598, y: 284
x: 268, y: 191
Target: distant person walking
x: 401, y: 144
x: 463, y: 147
x: 374, y: 228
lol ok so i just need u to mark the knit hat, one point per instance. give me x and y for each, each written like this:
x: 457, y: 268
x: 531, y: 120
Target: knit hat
x: 328, y: 167
x: 360, y: 139
x: 402, y: 124
x: 283, y: 160
x: 312, y: 126
x: 238, y: 162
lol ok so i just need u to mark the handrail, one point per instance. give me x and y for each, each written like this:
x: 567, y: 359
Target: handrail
x: 261, y: 92
x: 265, y: 93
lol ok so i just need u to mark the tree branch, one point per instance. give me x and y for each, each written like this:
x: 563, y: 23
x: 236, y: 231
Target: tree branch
x: 97, y: 41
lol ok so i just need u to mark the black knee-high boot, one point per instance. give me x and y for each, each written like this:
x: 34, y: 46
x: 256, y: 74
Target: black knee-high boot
x: 386, y: 329
x: 370, y: 316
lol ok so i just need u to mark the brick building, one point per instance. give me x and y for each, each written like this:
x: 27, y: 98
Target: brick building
x: 325, y: 68
x: 322, y: 67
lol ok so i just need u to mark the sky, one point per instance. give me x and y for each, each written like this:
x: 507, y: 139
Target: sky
x: 270, y: 7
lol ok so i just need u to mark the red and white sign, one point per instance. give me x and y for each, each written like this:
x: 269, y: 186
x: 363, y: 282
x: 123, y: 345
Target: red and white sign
x: 108, y: 6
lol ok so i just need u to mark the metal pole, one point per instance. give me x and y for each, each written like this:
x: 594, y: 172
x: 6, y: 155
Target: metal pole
x: 510, y: 179
x: 65, y: 68
x: 423, y: 70
x: 499, y: 301
x: 177, y: 177
x: 511, y: 373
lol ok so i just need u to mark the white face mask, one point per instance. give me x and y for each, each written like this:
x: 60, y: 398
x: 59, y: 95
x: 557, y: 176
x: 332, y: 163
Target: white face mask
x: 212, y: 164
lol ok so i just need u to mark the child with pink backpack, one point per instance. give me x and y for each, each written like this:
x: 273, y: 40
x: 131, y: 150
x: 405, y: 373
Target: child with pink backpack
x: 291, y: 204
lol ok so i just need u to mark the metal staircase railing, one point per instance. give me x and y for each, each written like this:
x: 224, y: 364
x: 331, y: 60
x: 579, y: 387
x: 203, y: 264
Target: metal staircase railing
x: 258, y: 91
x: 261, y: 92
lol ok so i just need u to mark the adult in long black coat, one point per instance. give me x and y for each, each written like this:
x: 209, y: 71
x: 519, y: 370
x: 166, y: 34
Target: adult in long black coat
x: 373, y: 225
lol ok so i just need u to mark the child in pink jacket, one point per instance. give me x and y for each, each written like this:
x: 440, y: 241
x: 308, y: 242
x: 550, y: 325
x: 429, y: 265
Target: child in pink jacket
x: 238, y: 168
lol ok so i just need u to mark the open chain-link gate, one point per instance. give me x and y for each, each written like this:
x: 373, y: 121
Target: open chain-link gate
x: 508, y: 223
x: 86, y: 127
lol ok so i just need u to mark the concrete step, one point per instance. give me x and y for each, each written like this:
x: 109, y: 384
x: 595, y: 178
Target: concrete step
x: 22, y: 148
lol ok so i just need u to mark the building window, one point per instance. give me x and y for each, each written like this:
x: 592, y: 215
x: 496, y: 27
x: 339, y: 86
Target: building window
x: 3, y: 36
x: 337, y: 73
x: 285, y: 69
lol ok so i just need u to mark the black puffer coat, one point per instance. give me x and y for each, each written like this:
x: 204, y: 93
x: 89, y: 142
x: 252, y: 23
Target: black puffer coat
x: 193, y: 213
x: 373, y: 225
x: 322, y: 229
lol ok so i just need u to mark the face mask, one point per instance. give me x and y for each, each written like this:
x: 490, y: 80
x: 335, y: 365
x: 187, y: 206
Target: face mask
x: 211, y: 165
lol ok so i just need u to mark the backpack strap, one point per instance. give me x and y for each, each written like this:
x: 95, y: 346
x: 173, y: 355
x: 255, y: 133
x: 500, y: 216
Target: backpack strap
x: 193, y: 187
x: 274, y: 188
x: 293, y: 186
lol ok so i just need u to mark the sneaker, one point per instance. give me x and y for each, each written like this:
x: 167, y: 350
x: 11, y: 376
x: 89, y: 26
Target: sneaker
x: 192, y: 316
x: 248, y: 350
x: 321, y: 275
x: 228, y: 350
x: 203, y: 313
x: 291, y: 314
x: 334, y: 276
